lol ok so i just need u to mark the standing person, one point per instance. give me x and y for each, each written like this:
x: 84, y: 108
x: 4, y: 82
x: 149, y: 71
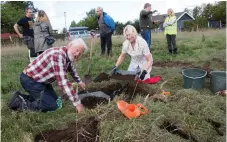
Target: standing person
x: 137, y: 48
x: 52, y: 65
x: 107, y: 27
x: 145, y: 22
x: 170, y: 26
x: 27, y: 26
x: 42, y: 29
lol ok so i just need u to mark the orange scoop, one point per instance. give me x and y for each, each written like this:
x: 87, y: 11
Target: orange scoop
x: 131, y: 110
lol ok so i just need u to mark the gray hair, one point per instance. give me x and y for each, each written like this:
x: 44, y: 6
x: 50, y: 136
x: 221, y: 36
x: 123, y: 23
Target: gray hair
x: 131, y: 29
x: 100, y: 8
x: 80, y: 41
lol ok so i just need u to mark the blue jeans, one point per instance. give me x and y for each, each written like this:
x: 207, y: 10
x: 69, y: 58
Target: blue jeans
x: 42, y: 97
x: 146, y: 34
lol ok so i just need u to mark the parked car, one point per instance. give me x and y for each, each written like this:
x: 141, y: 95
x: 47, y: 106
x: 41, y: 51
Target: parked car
x: 78, y: 32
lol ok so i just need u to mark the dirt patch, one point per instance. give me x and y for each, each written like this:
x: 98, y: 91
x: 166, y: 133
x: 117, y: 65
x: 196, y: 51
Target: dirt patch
x: 82, y: 131
x: 220, y: 62
x: 206, y: 65
x: 91, y: 102
x: 177, y: 129
x: 220, y: 128
x: 172, y: 64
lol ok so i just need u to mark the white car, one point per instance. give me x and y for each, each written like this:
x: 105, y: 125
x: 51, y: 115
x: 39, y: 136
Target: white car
x: 78, y: 32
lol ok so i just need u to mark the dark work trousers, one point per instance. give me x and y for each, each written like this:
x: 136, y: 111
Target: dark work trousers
x: 42, y: 97
x: 106, y: 39
x: 171, y: 41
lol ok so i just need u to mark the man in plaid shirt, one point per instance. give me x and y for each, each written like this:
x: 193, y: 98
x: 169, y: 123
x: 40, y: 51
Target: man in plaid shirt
x: 51, y: 65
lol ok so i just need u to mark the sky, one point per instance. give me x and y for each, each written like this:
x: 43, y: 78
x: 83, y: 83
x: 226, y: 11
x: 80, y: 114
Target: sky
x: 121, y: 11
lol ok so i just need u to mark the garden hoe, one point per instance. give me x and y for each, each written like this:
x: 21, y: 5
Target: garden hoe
x: 87, y: 77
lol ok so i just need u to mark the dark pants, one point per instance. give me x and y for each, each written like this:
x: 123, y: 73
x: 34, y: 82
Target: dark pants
x: 146, y: 34
x: 106, y: 39
x: 29, y: 41
x: 42, y: 97
x: 171, y: 41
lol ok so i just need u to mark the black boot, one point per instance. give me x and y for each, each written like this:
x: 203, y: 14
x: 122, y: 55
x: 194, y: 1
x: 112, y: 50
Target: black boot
x: 175, y: 51
x: 18, y: 102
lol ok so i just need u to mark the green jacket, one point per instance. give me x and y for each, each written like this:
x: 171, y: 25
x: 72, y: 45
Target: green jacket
x: 145, y: 19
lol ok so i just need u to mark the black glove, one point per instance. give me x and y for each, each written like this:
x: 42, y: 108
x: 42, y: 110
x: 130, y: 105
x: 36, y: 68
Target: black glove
x: 114, y: 70
x: 142, y: 75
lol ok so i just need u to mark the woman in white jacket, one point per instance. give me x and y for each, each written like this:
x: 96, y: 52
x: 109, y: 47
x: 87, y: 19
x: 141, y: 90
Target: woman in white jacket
x: 137, y: 48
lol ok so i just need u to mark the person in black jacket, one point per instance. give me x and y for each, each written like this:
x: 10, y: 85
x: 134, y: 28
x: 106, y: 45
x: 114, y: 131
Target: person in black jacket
x: 28, y: 35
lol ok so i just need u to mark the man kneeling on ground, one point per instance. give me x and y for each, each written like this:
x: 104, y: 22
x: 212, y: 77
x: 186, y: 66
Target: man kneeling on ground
x: 36, y: 79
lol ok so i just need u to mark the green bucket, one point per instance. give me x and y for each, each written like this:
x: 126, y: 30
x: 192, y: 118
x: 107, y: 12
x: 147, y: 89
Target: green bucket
x: 194, y: 78
x: 218, y: 81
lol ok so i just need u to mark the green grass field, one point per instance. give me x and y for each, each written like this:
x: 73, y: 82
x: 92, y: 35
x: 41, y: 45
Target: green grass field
x: 189, y: 115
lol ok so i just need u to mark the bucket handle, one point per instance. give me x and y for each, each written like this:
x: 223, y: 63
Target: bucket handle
x: 144, y: 108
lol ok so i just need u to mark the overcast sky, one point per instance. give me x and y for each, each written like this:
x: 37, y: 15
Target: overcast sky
x: 122, y: 11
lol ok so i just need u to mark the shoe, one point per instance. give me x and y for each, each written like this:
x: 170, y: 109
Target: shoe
x: 18, y: 102
x: 15, y: 101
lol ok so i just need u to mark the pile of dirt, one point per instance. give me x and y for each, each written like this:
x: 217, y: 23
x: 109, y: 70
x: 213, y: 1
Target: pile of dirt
x: 81, y: 131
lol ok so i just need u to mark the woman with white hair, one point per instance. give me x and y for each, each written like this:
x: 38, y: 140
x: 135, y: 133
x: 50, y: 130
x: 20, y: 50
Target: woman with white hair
x: 170, y: 26
x: 137, y: 48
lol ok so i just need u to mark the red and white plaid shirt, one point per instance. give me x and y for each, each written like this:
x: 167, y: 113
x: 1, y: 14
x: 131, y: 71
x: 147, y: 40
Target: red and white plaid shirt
x: 51, y: 65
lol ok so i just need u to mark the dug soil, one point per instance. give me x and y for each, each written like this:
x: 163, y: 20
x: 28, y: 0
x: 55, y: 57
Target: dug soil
x: 81, y: 131
x: 91, y: 102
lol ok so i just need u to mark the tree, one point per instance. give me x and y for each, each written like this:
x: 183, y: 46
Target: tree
x: 197, y: 11
x: 119, y: 28
x: 73, y: 24
x: 189, y: 11
x: 136, y: 24
x: 89, y: 21
x: 12, y: 11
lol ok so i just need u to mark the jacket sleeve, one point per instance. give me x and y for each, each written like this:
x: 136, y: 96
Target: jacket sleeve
x: 170, y: 22
x: 145, y: 13
x: 50, y: 27
x: 73, y: 72
x: 63, y: 81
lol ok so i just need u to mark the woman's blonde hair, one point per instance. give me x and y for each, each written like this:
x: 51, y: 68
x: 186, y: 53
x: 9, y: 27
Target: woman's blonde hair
x: 131, y: 29
x: 42, y: 17
x: 172, y: 12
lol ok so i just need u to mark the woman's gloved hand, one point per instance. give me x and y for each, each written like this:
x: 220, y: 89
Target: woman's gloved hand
x: 114, y: 70
x: 142, y: 75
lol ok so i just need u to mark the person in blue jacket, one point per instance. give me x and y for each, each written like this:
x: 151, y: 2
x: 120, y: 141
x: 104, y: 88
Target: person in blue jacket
x: 107, y: 27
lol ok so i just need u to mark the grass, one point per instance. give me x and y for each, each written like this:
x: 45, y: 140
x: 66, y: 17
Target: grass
x: 189, y: 115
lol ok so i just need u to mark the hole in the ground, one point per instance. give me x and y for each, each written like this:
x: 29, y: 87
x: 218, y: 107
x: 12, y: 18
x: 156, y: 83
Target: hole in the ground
x: 219, y: 128
x: 111, y: 90
x: 176, y: 130
x: 82, y: 131
x: 92, y: 101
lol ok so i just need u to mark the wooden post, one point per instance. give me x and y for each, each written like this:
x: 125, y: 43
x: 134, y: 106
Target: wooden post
x: 208, y: 24
x: 220, y: 24
x: 197, y: 28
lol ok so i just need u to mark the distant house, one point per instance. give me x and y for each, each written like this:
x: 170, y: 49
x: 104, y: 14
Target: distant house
x: 181, y: 18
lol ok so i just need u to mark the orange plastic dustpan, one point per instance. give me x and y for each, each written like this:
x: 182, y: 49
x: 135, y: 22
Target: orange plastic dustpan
x: 131, y: 110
